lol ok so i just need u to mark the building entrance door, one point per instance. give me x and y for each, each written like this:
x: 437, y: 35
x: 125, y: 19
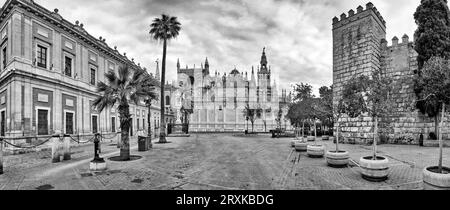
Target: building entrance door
x: 94, y: 124
x: 69, y: 123
x: 3, y: 123
x: 42, y: 122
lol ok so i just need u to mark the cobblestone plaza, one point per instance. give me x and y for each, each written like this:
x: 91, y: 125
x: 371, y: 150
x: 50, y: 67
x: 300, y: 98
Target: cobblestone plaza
x: 216, y: 162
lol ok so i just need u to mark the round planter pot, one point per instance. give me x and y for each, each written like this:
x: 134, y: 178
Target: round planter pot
x: 338, y: 159
x: 432, y: 180
x: 311, y: 138
x: 293, y: 142
x: 325, y: 138
x: 301, y: 146
x: 374, y: 170
x: 315, y: 151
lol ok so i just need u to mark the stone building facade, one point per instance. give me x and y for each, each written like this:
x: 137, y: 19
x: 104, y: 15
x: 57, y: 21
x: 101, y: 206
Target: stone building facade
x: 218, y: 101
x: 49, y: 72
x: 359, y: 47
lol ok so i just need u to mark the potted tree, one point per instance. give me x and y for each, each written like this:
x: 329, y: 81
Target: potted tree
x: 434, y: 79
x: 251, y: 114
x: 314, y: 150
x: 297, y: 116
x: 363, y: 96
x: 338, y: 158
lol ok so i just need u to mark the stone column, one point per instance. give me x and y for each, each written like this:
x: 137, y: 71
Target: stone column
x: 66, y: 147
x: 56, y: 148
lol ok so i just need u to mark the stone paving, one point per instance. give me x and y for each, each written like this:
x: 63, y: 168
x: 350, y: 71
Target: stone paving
x: 216, y: 162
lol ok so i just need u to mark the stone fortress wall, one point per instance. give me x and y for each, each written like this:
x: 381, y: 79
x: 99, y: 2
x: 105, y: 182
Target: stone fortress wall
x: 359, y: 47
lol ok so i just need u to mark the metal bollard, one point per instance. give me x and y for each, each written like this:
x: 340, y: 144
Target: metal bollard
x: 66, y: 147
x: 1, y: 156
x: 56, y: 148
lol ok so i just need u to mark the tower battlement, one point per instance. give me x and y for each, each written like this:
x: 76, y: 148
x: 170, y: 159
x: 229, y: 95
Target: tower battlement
x: 370, y: 10
x: 395, y: 42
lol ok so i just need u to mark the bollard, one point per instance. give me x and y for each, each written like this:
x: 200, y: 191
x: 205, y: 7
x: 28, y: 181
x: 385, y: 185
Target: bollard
x: 56, y: 148
x: 97, y: 149
x: 1, y: 156
x: 66, y: 147
x: 98, y: 164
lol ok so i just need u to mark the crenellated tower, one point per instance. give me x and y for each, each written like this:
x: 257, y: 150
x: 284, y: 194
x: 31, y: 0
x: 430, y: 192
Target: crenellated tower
x: 357, y: 38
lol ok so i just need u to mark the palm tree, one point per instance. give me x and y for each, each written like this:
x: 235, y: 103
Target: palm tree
x: 120, y: 89
x: 149, y: 82
x: 164, y: 29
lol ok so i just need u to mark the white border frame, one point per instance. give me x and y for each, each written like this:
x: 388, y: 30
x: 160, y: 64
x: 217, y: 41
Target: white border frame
x: 6, y: 118
x: 98, y: 123
x: 37, y: 108
x: 73, y: 119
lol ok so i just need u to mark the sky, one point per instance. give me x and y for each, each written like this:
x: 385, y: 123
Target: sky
x: 232, y: 33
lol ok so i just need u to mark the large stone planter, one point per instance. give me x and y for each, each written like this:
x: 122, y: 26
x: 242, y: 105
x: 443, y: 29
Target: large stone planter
x: 293, y: 142
x: 436, y: 181
x: 301, y: 146
x: 374, y: 170
x: 338, y: 159
x: 311, y: 138
x: 325, y: 138
x: 315, y: 151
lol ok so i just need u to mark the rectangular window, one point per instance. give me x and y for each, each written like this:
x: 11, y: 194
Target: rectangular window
x: 42, y: 56
x: 137, y: 123
x: 42, y: 122
x: 113, y: 124
x: 93, y: 74
x: 4, y: 58
x: 68, y: 66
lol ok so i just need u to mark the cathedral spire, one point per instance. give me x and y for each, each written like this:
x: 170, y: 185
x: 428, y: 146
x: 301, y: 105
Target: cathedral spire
x: 178, y: 64
x: 263, y: 59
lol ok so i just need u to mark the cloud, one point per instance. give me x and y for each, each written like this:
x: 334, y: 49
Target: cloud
x: 297, y: 33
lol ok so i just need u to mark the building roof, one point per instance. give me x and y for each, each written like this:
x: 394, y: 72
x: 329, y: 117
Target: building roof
x: 76, y: 30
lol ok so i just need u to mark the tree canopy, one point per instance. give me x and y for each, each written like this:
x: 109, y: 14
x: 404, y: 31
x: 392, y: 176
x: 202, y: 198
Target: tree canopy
x: 432, y: 37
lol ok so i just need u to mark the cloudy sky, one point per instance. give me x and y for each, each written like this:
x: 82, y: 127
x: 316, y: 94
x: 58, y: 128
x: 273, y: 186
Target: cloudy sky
x: 296, y: 33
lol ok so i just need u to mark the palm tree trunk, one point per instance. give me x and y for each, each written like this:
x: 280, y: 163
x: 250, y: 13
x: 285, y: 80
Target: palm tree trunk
x: 440, y: 138
x: 125, y: 127
x: 162, y: 132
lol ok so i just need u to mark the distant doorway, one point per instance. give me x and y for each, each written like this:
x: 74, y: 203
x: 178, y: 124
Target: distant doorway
x: 94, y: 124
x: 2, y: 123
x: 69, y: 123
x: 42, y: 121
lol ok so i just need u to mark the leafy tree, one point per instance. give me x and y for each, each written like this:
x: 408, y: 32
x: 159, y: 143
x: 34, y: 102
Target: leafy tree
x: 303, y: 92
x: 251, y: 114
x: 326, y: 106
x: 368, y: 95
x: 432, y: 37
x: 435, y: 83
x: 164, y: 29
x: 120, y: 89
